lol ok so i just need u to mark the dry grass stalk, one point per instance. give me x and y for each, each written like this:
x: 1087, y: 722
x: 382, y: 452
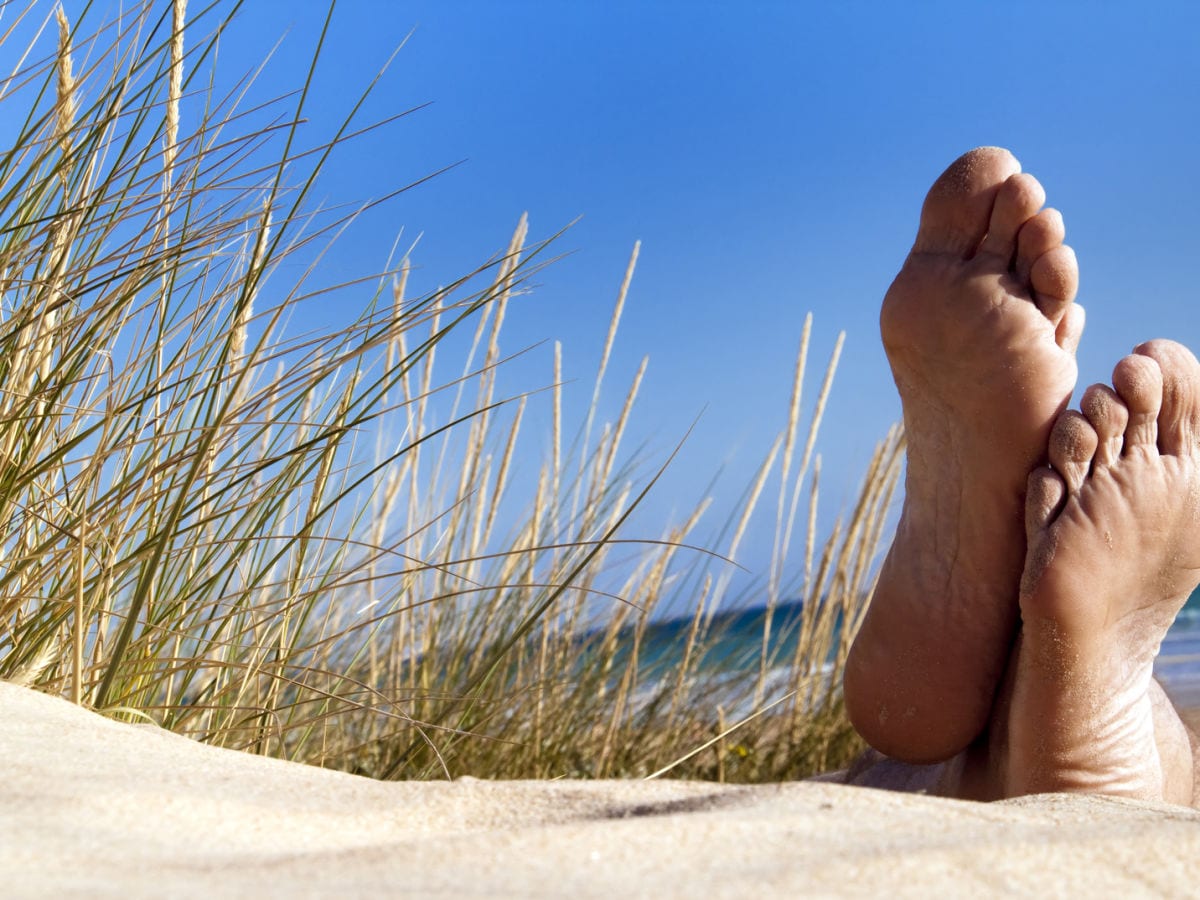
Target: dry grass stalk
x: 784, y: 525
x: 174, y: 93
x: 210, y: 542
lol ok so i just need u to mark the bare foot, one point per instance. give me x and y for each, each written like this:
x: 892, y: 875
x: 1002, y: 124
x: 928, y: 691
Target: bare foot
x: 1114, y: 552
x: 980, y: 330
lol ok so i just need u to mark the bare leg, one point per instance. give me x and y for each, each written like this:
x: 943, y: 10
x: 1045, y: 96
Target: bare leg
x: 980, y: 330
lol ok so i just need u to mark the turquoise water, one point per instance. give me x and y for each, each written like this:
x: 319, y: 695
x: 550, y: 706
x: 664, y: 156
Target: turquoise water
x: 736, y: 641
x: 734, y: 638
x: 1178, y: 666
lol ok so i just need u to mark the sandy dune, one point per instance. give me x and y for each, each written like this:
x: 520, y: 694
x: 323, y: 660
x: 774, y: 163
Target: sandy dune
x: 91, y: 807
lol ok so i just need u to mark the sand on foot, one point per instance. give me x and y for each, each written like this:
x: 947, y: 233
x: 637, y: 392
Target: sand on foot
x: 96, y: 808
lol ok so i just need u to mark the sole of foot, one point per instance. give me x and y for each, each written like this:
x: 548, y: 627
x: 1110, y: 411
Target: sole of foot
x: 980, y: 329
x: 1114, y: 552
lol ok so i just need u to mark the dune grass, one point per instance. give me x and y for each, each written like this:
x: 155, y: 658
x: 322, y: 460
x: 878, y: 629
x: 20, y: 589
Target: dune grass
x: 309, y: 545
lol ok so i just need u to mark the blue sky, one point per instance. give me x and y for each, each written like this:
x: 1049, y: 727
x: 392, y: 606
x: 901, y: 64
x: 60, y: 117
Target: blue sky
x: 771, y: 157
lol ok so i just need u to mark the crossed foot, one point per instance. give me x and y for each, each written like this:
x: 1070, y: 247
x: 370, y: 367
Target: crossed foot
x: 1016, y: 613
x: 1114, y: 551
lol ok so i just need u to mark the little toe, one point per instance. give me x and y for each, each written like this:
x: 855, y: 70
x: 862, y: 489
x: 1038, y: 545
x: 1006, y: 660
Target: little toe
x: 1179, y: 417
x: 1037, y: 237
x: 1017, y: 201
x: 1054, y: 277
x: 1044, y: 495
x: 1070, y: 330
x: 959, y: 206
x: 1109, y: 418
x: 1138, y: 381
x: 1072, y: 445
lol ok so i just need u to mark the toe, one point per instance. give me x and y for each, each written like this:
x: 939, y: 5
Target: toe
x: 1108, y: 417
x: 1017, y: 201
x: 1179, y: 417
x: 1054, y: 277
x: 1072, y: 445
x: 1138, y: 381
x: 1070, y: 329
x: 1037, y: 237
x: 1044, y: 494
x: 958, y: 207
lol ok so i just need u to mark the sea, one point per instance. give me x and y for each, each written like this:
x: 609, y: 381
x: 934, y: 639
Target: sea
x: 1178, y: 664
x: 735, y: 642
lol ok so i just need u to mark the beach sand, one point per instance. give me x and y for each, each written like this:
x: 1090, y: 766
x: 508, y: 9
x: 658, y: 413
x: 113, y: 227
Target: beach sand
x: 96, y: 808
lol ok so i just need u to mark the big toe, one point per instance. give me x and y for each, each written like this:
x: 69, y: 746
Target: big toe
x: 1179, y: 418
x: 958, y: 208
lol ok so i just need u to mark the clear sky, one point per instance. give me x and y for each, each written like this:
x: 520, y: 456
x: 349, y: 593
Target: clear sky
x: 771, y: 157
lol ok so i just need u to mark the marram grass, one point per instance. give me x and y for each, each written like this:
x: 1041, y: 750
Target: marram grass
x: 311, y: 545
